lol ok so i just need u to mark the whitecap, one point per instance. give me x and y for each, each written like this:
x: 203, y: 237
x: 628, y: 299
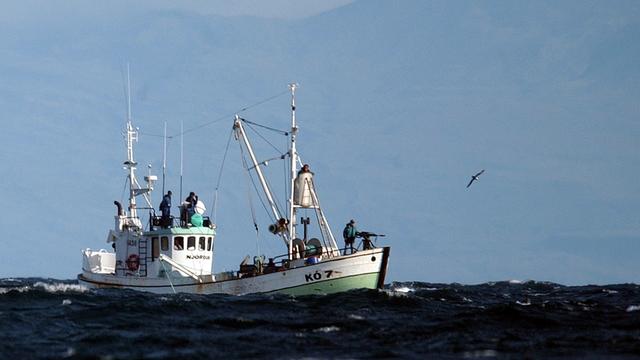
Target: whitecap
x: 608, y: 291
x: 356, y: 317
x: 404, y: 289
x: 395, y: 293
x: 515, y: 281
x: 66, y: 302
x: 632, y: 308
x: 18, y: 289
x: 327, y: 329
x: 527, y: 303
x: 60, y: 287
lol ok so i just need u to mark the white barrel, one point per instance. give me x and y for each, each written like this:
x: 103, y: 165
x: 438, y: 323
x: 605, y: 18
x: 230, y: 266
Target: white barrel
x: 302, y: 190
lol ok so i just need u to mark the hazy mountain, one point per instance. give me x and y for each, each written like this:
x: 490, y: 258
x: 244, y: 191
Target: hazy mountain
x: 400, y: 103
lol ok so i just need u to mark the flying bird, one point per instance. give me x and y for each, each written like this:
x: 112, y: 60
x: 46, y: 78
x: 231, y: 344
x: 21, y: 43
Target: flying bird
x: 475, y: 177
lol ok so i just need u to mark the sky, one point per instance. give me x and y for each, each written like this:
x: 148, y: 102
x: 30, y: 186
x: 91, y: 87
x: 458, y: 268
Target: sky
x: 30, y: 11
x: 400, y: 102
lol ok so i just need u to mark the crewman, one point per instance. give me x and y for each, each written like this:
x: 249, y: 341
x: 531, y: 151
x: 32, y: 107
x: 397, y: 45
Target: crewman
x: 349, y: 234
x: 192, y: 199
x: 305, y: 169
x: 165, y: 207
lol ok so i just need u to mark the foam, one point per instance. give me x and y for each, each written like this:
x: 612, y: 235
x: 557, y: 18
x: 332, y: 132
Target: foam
x: 48, y: 287
x: 404, y: 289
x: 327, y: 329
x: 60, y: 287
x: 632, y: 308
x: 4, y: 290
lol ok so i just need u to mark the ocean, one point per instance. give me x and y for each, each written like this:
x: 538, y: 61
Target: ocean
x: 54, y: 319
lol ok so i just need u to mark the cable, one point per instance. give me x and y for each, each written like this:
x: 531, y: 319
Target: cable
x: 253, y: 212
x: 263, y: 138
x: 282, y: 132
x: 214, y: 210
x: 123, y: 189
x: 222, y: 117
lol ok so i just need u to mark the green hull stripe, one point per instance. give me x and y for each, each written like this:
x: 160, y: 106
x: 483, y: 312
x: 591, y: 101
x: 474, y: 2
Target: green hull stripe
x: 363, y: 281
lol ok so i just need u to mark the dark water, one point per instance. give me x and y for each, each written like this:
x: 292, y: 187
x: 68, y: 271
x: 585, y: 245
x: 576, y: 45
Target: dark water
x: 42, y: 318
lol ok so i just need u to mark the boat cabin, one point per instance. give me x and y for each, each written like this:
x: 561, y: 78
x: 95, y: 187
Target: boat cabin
x: 170, y: 247
x: 191, y: 247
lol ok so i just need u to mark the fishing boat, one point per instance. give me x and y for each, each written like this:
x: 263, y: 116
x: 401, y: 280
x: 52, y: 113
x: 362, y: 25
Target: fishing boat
x: 169, y: 255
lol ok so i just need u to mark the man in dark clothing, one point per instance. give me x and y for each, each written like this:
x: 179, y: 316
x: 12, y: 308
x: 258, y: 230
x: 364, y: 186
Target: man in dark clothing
x: 305, y: 169
x: 349, y: 234
x: 165, y: 207
x: 192, y: 199
x: 188, y: 208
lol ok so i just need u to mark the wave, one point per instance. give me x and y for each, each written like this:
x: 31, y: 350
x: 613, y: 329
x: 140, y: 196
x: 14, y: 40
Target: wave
x: 632, y: 308
x: 404, y: 320
x: 52, y: 286
x: 61, y: 287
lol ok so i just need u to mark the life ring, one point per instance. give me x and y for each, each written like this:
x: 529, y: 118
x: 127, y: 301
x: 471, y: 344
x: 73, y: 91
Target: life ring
x: 133, y: 262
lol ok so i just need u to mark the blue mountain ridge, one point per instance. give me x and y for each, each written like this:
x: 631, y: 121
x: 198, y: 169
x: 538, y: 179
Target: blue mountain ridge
x: 400, y: 102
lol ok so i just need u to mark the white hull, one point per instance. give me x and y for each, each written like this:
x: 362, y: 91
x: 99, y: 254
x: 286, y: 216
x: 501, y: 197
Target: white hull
x: 364, y: 269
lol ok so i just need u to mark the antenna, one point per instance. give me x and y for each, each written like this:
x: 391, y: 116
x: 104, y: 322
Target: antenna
x: 164, y: 158
x: 181, y: 153
x: 128, y: 94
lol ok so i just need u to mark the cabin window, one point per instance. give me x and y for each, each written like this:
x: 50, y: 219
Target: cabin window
x: 191, y: 243
x: 178, y: 243
x: 209, y: 243
x: 201, y: 243
x: 164, y: 243
x: 155, y: 247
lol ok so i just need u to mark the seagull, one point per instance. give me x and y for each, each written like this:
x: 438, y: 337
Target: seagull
x: 474, y: 178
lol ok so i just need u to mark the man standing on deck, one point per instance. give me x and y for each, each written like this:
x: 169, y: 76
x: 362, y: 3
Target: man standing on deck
x: 192, y: 200
x: 165, y: 207
x: 349, y: 235
x: 188, y: 208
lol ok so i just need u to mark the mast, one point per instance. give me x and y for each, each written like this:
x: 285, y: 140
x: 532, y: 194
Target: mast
x: 130, y: 164
x: 293, y: 155
x: 324, y: 225
x: 164, y: 157
x: 181, y: 154
x: 132, y: 135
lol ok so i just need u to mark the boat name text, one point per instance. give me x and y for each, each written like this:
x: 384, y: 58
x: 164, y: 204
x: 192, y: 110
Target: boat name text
x: 198, y: 257
x: 318, y: 275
